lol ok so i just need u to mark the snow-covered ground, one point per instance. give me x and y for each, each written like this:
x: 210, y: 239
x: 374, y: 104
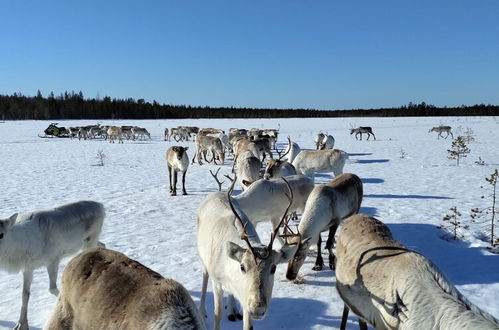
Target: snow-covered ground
x: 411, y: 194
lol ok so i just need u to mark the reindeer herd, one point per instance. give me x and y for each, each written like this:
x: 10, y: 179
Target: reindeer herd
x: 384, y: 283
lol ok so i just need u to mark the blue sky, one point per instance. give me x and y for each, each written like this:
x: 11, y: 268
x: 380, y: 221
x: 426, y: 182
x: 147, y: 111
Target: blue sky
x: 296, y: 54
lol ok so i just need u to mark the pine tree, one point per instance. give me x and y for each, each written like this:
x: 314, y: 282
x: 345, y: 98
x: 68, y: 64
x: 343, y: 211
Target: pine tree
x: 454, y: 223
x: 492, y: 210
x: 458, y: 150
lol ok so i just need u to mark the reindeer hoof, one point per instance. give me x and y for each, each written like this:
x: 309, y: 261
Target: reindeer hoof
x: 317, y: 267
x: 173, y: 194
x: 184, y: 193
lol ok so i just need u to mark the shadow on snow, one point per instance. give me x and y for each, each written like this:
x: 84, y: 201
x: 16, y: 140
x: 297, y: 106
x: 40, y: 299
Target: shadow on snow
x: 406, y: 196
x: 461, y: 263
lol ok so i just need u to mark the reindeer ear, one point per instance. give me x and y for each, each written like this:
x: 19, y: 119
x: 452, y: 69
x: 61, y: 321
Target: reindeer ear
x: 305, y: 241
x: 185, y: 149
x: 235, y: 251
x: 287, y: 252
x: 10, y: 221
x: 246, y: 183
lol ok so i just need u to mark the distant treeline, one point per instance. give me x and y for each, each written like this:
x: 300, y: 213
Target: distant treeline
x: 71, y: 105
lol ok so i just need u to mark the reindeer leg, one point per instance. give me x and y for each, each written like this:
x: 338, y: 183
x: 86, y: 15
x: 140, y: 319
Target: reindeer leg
x: 330, y: 245
x: 202, y: 301
x: 218, y: 303
x: 23, y: 318
x: 174, y: 192
x: 170, y: 175
x: 233, y: 313
x: 247, y: 321
x: 344, y: 317
x: 362, y: 324
x: 183, y: 183
x: 52, y: 269
x: 319, y: 262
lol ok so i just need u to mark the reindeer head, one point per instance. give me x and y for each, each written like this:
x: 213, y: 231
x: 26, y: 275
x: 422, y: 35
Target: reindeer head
x: 295, y: 264
x: 179, y: 151
x: 272, y: 169
x: 257, y: 263
x: 5, y: 225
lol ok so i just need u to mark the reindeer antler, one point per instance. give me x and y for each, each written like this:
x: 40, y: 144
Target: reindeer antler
x: 276, y: 229
x: 244, y: 235
x: 215, y: 176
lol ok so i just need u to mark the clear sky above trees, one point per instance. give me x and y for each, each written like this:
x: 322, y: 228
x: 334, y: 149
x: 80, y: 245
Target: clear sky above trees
x: 284, y: 54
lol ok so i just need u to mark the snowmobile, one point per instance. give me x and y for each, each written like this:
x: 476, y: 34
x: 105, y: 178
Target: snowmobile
x: 55, y: 131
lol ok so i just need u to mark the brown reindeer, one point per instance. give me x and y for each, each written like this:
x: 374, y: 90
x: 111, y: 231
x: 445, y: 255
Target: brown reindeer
x: 104, y: 289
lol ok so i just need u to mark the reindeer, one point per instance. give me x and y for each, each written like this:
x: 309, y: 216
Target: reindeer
x: 42, y: 238
x: 167, y: 134
x: 140, y: 132
x: 247, y: 169
x: 114, y: 132
x: 292, y: 150
x: 327, y: 142
x: 177, y: 161
x: 318, y: 140
x: 325, y: 208
x: 392, y: 287
x: 320, y: 161
x: 269, y: 195
x: 104, y: 289
x: 204, y: 144
x: 442, y: 129
x: 179, y: 134
x: 241, y: 144
x: 277, y: 168
x: 362, y: 130
x: 244, y: 273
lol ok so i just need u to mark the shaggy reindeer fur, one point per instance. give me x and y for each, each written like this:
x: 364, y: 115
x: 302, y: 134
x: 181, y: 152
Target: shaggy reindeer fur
x: 392, y: 287
x: 320, y: 161
x: 326, y: 207
x: 42, y: 238
x: 104, y: 289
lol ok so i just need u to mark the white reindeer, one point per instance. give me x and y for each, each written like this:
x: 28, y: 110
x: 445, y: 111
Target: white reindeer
x: 246, y: 273
x: 327, y: 142
x: 114, y: 132
x: 177, y: 161
x: 247, y: 169
x: 270, y: 196
x: 104, y: 289
x: 326, y: 207
x: 320, y: 161
x: 42, y: 238
x: 292, y: 150
x: 392, y: 287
